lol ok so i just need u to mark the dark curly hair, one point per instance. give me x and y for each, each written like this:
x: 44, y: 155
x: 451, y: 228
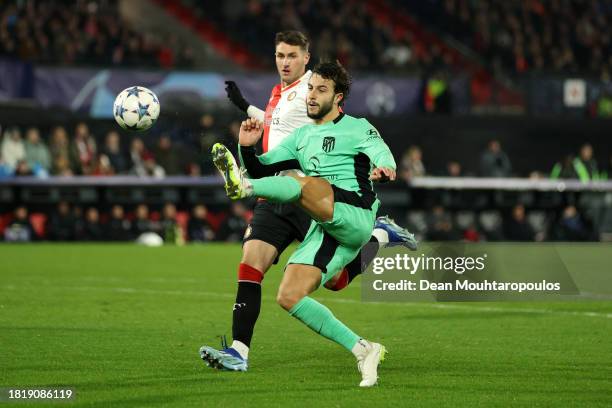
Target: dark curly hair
x: 336, y: 72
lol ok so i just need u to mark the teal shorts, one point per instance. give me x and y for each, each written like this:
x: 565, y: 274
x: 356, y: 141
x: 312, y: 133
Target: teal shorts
x: 332, y: 245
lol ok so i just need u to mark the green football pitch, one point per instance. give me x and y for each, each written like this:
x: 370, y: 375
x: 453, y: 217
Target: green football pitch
x: 122, y: 325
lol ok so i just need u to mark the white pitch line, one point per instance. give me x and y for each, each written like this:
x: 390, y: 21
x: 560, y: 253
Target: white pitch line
x: 491, y: 309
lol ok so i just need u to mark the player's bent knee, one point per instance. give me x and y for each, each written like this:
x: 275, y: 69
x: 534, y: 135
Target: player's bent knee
x: 288, y: 298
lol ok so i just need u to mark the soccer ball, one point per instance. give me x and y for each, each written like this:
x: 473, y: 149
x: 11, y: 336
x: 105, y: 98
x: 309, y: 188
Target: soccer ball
x: 136, y: 108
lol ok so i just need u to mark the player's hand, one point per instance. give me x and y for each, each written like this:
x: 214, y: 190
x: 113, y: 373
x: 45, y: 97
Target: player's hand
x: 234, y: 95
x: 382, y: 174
x: 250, y: 132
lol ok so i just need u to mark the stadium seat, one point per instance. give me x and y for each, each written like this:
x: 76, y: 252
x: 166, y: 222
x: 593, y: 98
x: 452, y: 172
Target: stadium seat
x: 491, y: 224
x: 417, y: 221
x: 538, y: 220
x: 465, y: 219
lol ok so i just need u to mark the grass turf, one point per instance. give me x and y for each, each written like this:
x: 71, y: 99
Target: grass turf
x: 122, y: 325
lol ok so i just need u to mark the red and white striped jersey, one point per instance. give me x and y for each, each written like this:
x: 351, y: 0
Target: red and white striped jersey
x: 286, y: 111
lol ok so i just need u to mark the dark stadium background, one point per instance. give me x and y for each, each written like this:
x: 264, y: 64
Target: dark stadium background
x: 442, y: 80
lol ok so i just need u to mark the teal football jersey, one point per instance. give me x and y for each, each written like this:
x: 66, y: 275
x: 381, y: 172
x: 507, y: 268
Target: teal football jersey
x: 342, y: 151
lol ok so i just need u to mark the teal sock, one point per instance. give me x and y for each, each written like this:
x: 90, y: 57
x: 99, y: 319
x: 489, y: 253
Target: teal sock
x: 281, y: 189
x: 320, y: 319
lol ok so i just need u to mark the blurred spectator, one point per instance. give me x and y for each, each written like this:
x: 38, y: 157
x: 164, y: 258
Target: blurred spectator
x: 516, y: 227
x: 20, y: 229
x: 102, y: 166
x: 13, y: 149
x: 471, y: 233
x: 119, y: 228
x: 607, y: 175
x: 412, y: 164
x: 194, y: 170
x: 79, y: 223
x: 60, y: 152
x: 209, y: 135
x: 93, y: 230
x: 436, y: 93
x: 36, y: 153
x: 198, y: 228
x: 151, y: 168
x: 494, y: 162
x: 564, y: 169
x: 585, y: 165
x: 61, y: 223
x: 84, y: 149
x: 168, y: 156
x: 398, y: 54
x: 440, y: 226
x: 23, y: 169
x: 171, y: 231
x: 453, y: 169
x: 137, y: 156
x: 233, y: 130
x: 572, y: 227
x: 112, y: 149
x: 233, y: 227
x: 142, y: 223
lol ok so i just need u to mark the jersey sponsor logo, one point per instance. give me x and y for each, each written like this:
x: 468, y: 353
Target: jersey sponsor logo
x: 372, y: 134
x: 300, y: 148
x: 291, y: 96
x: 329, y: 142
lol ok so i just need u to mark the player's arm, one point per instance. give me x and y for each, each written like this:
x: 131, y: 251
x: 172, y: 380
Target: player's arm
x: 282, y: 157
x: 234, y: 95
x: 379, y: 153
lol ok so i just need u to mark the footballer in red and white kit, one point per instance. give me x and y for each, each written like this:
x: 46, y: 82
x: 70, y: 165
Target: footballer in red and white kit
x: 286, y: 111
x: 274, y: 226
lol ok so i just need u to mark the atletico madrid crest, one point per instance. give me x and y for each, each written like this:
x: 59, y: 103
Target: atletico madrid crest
x: 329, y: 142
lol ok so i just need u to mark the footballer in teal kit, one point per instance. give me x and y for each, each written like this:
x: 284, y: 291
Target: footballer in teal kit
x: 340, y: 156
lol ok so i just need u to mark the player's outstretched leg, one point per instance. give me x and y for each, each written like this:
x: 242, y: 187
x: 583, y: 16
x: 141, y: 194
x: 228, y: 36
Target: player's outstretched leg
x: 312, y: 194
x: 301, y: 280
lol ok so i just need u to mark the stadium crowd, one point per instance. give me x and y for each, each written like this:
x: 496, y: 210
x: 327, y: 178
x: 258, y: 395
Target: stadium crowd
x: 340, y: 30
x: 78, y: 32
x: 518, y: 37
x: 29, y: 152
x: 494, y: 162
x: 196, y: 225
x: 81, y: 153
x: 75, y: 223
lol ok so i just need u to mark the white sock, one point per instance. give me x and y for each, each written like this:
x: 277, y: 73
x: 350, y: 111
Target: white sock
x: 381, y: 235
x: 241, y: 348
x: 360, y: 349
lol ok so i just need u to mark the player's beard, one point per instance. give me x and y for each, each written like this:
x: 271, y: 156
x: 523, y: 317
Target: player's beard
x: 324, y: 109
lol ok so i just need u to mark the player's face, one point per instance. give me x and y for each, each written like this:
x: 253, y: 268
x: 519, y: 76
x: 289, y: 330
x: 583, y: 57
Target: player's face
x: 321, y: 97
x: 291, y: 62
